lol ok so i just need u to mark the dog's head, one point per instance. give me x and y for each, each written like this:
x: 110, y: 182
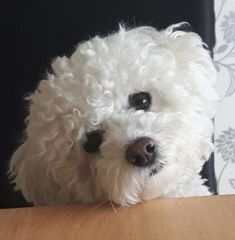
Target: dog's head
x: 126, y: 118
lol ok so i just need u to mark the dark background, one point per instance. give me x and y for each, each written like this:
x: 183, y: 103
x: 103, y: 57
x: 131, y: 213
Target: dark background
x: 34, y: 32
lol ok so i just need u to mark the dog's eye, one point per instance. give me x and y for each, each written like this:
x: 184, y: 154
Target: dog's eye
x: 140, y: 101
x: 93, y: 141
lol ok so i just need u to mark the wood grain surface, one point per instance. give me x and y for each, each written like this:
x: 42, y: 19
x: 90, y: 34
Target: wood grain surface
x: 198, y: 218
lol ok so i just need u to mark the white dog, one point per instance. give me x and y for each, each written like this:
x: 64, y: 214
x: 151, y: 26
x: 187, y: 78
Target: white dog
x: 127, y: 118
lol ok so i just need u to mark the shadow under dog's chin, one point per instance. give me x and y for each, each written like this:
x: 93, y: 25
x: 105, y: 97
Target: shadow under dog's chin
x: 155, y: 170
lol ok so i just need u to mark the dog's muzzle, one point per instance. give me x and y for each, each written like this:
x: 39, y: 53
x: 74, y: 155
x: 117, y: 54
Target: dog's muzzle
x: 142, y: 152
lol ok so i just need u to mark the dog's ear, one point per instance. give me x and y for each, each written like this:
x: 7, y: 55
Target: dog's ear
x: 45, y: 166
x: 183, y: 26
x: 193, y: 64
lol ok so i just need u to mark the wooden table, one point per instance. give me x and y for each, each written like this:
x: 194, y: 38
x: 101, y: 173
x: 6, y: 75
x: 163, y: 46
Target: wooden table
x: 198, y: 218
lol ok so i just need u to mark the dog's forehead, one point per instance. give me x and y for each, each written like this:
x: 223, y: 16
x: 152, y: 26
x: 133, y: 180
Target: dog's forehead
x: 107, y: 70
x: 125, y: 60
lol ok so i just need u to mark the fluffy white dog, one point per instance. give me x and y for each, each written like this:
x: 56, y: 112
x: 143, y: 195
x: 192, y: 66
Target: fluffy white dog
x: 127, y: 118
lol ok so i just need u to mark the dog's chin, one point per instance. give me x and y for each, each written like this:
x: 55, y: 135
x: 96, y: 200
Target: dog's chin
x: 153, y: 187
x: 157, y: 184
x: 135, y: 186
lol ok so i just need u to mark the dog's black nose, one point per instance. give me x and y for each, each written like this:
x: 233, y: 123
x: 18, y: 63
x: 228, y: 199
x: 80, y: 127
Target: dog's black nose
x: 142, y: 152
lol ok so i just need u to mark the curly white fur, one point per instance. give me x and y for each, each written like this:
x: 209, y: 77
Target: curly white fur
x: 90, y: 91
